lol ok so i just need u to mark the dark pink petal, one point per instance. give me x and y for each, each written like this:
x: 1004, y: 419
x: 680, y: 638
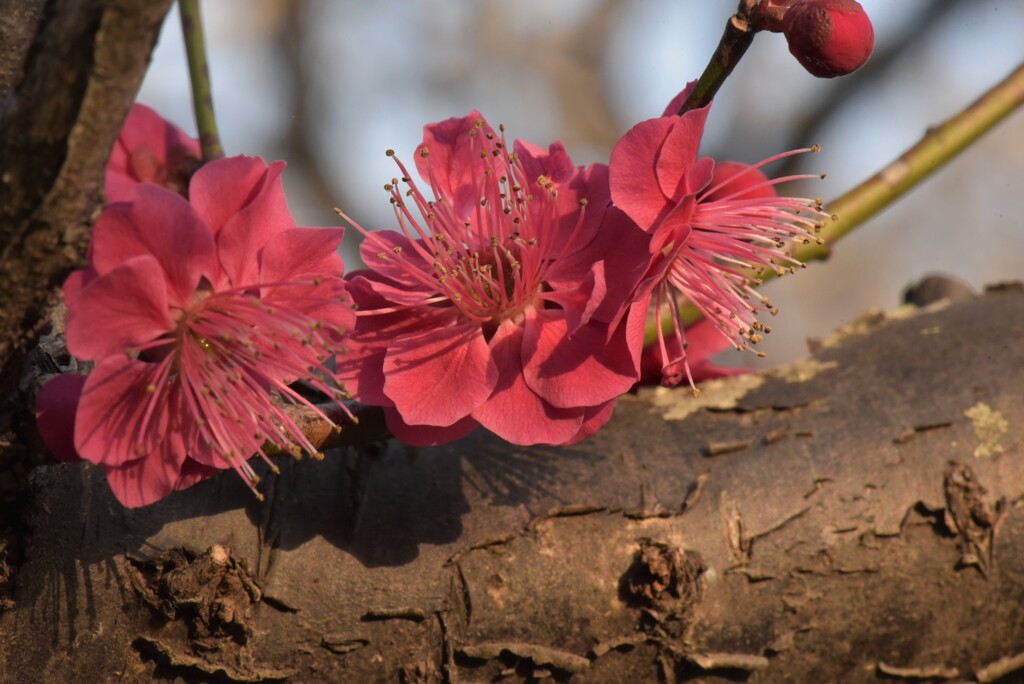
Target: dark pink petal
x: 554, y: 163
x: 438, y: 376
x: 118, y: 186
x: 632, y: 173
x: 160, y: 223
x: 124, y: 308
x: 358, y: 369
x: 634, y: 330
x: 360, y: 366
x: 263, y: 215
x: 221, y: 188
x: 620, y: 242
x: 116, y: 424
x: 514, y: 412
x: 150, y: 150
x: 301, y: 254
x: 402, y: 294
x: 404, y: 272
x: 76, y: 282
x: 579, y: 302
x: 150, y: 479
x: 677, y: 155
x: 591, y: 184
x: 677, y: 102
x: 55, y: 414
x: 594, y: 419
x: 585, y: 370
x: 743, y: 176
x: 573, y: 185
x: 674, y: 229
x: 140, y: 483
x: 146, y: 129
x: 426, y: 435
x: 116, y: 237
x: 193, y: 472
x: 302, y: 271
x: 453, y: 162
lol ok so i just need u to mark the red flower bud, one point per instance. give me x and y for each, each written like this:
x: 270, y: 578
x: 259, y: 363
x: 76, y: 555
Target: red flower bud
x: 829, y: 37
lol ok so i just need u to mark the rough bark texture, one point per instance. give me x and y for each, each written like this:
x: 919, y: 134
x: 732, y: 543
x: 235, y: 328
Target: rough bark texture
x: 853, y: 518
x: 69, y: 70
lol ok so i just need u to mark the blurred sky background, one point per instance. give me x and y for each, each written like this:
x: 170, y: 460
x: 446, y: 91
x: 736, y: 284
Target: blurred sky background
x: 329, y: 85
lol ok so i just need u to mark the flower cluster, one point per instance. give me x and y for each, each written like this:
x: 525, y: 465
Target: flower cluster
x: 496, y: 303
x: 198, y: 314
x: 513, y: 296
x: 712, y: 227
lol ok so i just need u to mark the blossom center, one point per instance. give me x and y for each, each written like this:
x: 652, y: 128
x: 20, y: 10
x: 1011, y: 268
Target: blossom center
x: 487, y: 251
x: 232, y: 357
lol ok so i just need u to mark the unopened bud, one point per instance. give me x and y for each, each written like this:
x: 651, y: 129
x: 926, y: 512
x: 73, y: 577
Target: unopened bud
x: 829, y: 37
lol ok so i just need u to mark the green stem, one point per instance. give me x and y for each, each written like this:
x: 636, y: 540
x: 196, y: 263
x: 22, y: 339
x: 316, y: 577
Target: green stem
x: 199, y: 74
x: 938, y: 146
x: 735, y: 40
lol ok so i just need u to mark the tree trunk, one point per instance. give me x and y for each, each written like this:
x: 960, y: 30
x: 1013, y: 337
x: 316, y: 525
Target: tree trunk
x: 69, y: 71
x: 849, y: 518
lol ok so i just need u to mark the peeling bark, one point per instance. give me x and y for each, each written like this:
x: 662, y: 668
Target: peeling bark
x: 856, y: 537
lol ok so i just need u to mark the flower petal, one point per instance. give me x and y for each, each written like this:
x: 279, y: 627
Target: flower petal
x: 579, y: 302
x: 426, y: 435
x: 619, y: 241
x: 635, y: 186
x: 453, y: 163
x: 125, y: 307
x: 514, y: 412
x: 677, y: 156
x: 677, y: 102
x: 594, y: 419
x: 401, y: 279
x: 55, y: 414
x: 735, y: 180
x: 263, y: 214
x: 586, y: 370
x: 301, y: 254
x: 120, y: 420
x: 360, y: 367
x: 222, y: 187
x: 147, y: 480
x: 159, y: 223
x: 438, y: 376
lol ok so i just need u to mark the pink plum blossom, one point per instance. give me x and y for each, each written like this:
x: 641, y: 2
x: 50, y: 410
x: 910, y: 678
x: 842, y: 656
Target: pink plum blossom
x: 493, y: 305
x: 710, y: 224
x: 198, y: 314
x: 150, y: 150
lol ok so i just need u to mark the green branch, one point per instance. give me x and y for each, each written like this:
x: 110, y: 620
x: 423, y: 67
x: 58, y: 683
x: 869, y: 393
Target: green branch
x: 199, y: 74
x: 938, y: 146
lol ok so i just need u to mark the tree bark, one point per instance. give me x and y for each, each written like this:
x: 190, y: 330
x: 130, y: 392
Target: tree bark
x: 69, y: 71
x: 853, y: 517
